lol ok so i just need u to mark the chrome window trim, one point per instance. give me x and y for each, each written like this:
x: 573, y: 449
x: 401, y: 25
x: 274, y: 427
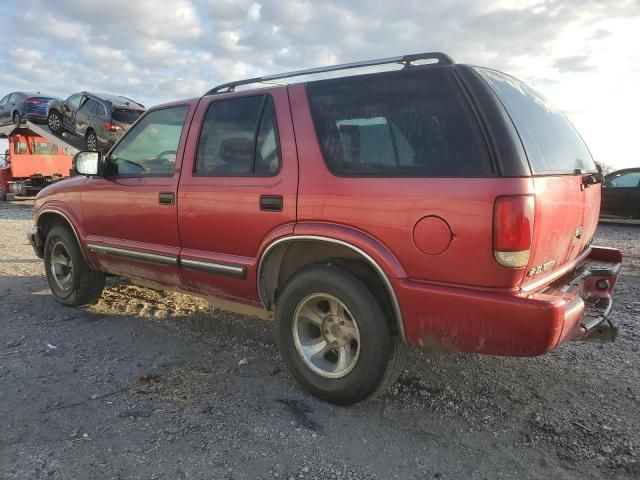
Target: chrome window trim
x: 214, y: 268
x: 134, y: 254
x: 372, y: 262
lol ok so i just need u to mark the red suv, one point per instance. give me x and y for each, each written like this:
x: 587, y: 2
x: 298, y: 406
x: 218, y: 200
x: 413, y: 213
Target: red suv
x: 440, y: 205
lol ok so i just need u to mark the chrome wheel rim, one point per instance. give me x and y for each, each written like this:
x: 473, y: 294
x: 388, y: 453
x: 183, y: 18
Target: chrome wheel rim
x: 326, y: 335
x: 91, y: 142
x: 61, y: 266
x: 54, y: 123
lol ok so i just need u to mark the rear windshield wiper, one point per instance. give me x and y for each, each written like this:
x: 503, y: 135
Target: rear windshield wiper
x: 589, y: 179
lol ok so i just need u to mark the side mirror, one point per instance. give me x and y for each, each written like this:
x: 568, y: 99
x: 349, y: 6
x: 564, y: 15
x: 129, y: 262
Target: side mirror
x: 87, y: 163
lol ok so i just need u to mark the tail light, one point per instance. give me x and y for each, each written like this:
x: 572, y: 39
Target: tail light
x: 34, y: 101
x: 512, y: 230
x: 111, y: 127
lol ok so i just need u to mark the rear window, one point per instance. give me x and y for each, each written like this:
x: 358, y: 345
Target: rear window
x: 552, y: 143
x: 44, y: 148
x: 408, y: 123
x: 126, y: 116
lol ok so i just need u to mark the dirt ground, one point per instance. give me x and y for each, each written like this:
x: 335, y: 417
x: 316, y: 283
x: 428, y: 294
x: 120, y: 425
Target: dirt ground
x: 151, y: 385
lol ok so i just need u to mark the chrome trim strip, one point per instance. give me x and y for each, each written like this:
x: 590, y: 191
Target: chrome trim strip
x: 374, y: 264
x: 134, y: 254
x: 73, y: 228
x: 215, y: 268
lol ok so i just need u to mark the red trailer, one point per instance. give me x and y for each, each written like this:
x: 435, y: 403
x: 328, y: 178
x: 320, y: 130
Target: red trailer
x: 31, y: 163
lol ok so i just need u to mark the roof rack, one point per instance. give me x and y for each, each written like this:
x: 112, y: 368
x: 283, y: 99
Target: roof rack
x: 407, y: 60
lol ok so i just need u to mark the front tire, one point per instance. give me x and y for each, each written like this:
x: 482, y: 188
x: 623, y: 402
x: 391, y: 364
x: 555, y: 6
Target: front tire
x: 70, y: 278
x: 54, y: 120
x: 333, y: 335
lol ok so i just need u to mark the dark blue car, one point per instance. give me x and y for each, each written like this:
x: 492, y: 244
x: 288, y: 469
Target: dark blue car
x: 24, y: 106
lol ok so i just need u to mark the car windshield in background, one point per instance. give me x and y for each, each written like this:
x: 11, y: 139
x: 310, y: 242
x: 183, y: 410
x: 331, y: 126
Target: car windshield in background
x: 126, y: 116
x: 552, y: 144
x: 403, y: 124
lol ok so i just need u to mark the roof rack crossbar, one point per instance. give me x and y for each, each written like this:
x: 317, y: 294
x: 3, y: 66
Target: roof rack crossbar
x: 442, y: 59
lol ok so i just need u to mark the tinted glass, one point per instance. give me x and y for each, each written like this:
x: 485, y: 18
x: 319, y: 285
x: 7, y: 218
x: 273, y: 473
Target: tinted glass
x: 402, y: 123
x: 267, y: 148
x: 228, y: 139
x: 150, y: 148
x: 74, y: 100
x: 125, y: 116
x: 89, y: 106
x: 552, y: 143
x: 101, y: 111
x: 44, y: 148
x: 624, y: 180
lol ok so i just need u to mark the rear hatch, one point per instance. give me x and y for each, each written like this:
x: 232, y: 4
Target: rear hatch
x: 124, y: 118
x: 567, y: 201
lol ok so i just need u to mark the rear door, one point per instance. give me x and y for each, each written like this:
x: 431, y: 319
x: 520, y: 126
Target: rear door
x: 238, y: 189
x: 130, y: 214
x: 566, y: 211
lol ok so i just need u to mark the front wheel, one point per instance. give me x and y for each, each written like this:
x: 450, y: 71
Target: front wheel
x: 54, y: 120
x: 333, y: 335
x: 72, y: 281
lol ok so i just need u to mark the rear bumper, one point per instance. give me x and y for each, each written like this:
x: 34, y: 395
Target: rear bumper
x: 574, y: 307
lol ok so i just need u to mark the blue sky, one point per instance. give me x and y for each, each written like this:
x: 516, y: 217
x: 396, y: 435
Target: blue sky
x: 582, y: 54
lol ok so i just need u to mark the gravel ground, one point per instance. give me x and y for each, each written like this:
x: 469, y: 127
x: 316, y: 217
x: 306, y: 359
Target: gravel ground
x: 151, y: 385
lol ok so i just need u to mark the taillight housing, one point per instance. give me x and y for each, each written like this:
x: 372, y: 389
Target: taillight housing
x: 513, y: 230
x: 111, y: 127
x: 34, y: 101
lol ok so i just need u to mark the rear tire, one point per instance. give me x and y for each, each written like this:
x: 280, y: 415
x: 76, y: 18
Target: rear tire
x: 54, y: 120
x: 16, y: 118
x: 70, y: 278
x: 334, y: 337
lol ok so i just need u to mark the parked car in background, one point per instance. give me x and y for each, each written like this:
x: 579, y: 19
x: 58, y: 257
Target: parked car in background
x: 100, y: 119
x: 621, y: 193
x: 24, y: 106
x: 440, y: 205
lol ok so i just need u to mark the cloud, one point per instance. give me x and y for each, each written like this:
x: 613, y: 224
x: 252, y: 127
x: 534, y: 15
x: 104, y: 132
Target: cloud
x: 575, y: 63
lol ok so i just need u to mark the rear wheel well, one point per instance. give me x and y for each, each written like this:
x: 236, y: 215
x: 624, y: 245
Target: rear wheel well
x: 284, y: 260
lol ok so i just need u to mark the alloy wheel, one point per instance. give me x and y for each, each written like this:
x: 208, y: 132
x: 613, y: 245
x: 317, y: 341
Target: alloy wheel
x: 61, y: 266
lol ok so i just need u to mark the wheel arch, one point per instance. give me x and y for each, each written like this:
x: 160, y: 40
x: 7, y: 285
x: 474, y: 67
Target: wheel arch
x: 285, y: 255
x: 48, y: 218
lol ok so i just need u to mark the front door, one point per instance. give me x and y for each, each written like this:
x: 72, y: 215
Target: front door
x: 130, y: 214
x: 69, y: 109
x: 238, y: 189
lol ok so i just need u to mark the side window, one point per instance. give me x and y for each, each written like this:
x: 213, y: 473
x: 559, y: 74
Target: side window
x: 239, y: 138
x: 74, y: 100
x: 88, y: 106
x: 100, y: 110
x: 13, y: 97
x: 624, y: 180
x: 20, y: 147
x: 150, y: 148
x: 4, y: 100
x: 408, y: 123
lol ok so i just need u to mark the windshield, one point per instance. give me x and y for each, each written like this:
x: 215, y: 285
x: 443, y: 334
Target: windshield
x: 552, y: 143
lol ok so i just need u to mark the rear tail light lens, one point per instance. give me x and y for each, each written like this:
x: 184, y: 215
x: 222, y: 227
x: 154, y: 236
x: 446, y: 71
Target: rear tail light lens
x: 513, y: 230
x: 111, y: 127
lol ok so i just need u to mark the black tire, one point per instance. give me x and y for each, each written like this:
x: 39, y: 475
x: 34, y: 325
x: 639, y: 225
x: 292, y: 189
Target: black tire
x: 84, y: 285
x: 54, y: 121
x: 91, y: 140
x: 16, y: 118
x: 381, y: 351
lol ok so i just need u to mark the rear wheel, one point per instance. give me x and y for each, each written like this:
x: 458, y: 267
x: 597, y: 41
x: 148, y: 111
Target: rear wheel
x: 70, y: 278
x: 334, y: 337
x: 91, y: 140
x: 16, y: 117
x: 54, y: 120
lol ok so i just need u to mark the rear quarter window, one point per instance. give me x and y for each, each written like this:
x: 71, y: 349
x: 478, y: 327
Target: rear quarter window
x: 408, y: 123
x: 551, y: 142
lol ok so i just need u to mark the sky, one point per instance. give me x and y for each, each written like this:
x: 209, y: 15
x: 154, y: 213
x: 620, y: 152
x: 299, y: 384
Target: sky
x: 584, y: 55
